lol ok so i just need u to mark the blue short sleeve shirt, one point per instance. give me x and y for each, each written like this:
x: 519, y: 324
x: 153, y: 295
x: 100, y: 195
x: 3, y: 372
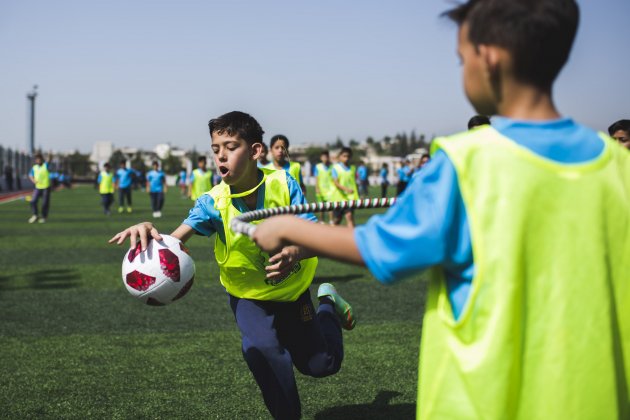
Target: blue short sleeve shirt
x: 428, y: 225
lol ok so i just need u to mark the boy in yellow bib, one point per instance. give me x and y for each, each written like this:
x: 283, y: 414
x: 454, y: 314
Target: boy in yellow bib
x: 525, y: 225
x: 269, y: 295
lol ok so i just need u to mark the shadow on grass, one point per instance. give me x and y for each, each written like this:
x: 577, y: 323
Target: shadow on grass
x: 62, y: 278
x: 327, y: 279
x: 377, y: 409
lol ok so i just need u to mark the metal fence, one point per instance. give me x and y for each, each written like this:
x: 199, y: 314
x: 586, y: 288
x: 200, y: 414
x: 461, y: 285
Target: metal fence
x: 14, y: 168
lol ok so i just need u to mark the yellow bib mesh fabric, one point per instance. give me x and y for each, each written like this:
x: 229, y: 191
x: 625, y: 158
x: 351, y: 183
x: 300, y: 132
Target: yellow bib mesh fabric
x: 242, y: 263
x: 545, y: 333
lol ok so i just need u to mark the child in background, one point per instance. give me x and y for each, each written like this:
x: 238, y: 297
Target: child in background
x: 269, y: 295
x: 40, y: 177
x: 123, y: 181
x: 105, y: 183
x: 404, y: 175
x: 182, y: 182
x: 200, y: 180
x: 363, y: 180
x: 280, y: 154
x: 344, y: 178
x: 262, y: 160
x: 384, y: 178
x: 620, y: 131
x: 156, y: 186
x: 324, y: 186
x: 525, y: 225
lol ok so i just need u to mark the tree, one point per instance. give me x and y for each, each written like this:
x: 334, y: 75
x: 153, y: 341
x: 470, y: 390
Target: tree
x: 313, y: 154
x: 116, y: 158
x: 78, y: 164
x: 171, y: 164
x: 338, y: 144
x: 137, y: 163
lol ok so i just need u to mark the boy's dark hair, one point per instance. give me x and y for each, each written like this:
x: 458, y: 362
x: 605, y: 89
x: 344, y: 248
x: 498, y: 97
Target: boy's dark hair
x: 106, y: 165
x: 537, y: 33
x: 122, y: 162
x: 277, y: 138
x: 324, y: 152
x: 237, y: 124
x: 155, y: 162
x: 39, y: 156
x: 478, y: 120
x: 201, y: 159
x: 619, y: 125
x: 347, y: 150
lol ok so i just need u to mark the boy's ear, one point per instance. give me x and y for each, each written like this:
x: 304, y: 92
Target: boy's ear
x: 491, y: 56
x: 256, y: 150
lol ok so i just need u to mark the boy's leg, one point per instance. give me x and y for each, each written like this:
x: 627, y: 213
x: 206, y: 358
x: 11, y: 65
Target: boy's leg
x: 314, y: 339
x: 267, y: 359
x: 160, y: 201
x: 46, y: 202
x: 121, y: 198
x: 34, y: 200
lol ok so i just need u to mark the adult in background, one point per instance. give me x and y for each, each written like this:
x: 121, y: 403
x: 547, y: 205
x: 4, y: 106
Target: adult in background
x: 620, y: 131
x: 40, y: 177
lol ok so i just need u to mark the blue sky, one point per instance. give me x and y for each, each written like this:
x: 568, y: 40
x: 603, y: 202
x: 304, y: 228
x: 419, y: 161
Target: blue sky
x: 139, y: 73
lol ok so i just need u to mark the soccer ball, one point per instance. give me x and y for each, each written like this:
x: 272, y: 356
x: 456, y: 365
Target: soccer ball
x: 161, y: 274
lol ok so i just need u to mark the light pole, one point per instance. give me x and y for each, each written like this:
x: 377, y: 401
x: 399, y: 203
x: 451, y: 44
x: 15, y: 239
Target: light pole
x: 31, y: 97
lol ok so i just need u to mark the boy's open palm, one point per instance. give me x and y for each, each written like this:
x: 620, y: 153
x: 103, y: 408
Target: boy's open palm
x: 144, y: 231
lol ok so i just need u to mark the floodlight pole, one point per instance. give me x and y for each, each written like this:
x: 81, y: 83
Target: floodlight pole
x: 31, y: 97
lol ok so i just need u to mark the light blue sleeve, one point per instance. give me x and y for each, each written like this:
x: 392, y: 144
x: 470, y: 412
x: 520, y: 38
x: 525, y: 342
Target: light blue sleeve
x: 204, y: 218
x: 427, y: 226
x: 334, y: 174
x: 297, y: 197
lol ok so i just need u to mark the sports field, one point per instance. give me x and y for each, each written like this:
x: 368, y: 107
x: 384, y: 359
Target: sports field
x: 74, y: 344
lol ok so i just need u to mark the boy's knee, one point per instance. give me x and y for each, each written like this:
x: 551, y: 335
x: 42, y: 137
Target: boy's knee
x: 321, y: 365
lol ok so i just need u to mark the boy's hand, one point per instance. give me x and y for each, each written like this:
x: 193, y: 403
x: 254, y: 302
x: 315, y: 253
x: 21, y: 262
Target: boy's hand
x: 281, y: 264
x: 142, y: 230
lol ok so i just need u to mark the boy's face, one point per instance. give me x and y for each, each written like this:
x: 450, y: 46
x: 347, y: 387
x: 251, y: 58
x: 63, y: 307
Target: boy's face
x: 325, y: 159
x: 234, y: 157
x: 344, y: 158
x: 623, y: 137
x: 476, y: 72
x: 201, y: 164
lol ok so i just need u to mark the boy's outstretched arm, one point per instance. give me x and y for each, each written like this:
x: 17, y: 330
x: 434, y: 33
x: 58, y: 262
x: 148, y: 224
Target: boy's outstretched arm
x: 334, y: 242
x: 145, y: 231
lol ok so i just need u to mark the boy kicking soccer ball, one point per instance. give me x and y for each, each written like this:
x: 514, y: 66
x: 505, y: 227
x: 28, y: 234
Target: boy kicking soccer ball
x: 269, y: 295
x: 526, y: 226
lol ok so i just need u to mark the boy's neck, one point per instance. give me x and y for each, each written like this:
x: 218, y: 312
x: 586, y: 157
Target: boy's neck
x: 248, y: 182
x: 527, y: 103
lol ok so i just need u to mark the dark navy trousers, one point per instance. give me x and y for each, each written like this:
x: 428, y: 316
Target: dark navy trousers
x: 44, y: 194
x: 279, y: 335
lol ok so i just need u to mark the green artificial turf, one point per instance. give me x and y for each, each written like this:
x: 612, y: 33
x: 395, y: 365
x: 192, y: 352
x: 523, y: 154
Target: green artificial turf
x: 74, y: 344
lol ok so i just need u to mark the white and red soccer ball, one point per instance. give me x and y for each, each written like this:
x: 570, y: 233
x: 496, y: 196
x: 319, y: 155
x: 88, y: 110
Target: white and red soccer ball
x: 161, y: 274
